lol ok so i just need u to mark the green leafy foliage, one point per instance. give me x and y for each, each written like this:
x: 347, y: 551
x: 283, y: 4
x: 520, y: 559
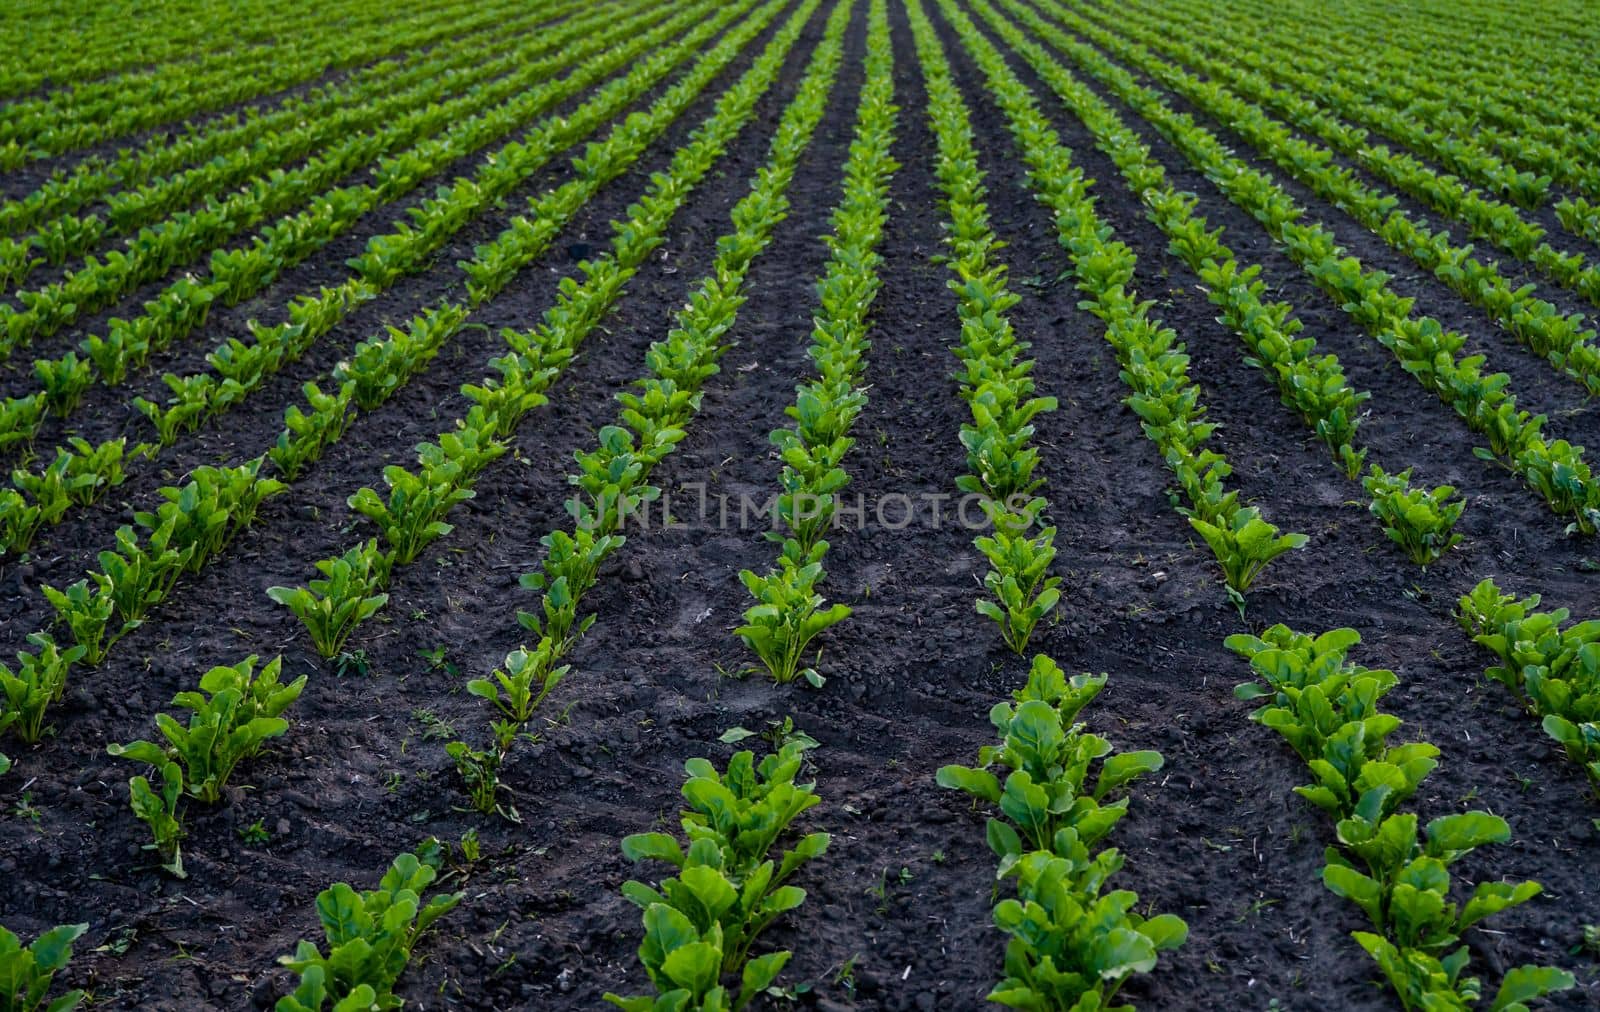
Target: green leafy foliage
x: 1018, y: 579
x: 307, y: 434
x: 526, y: 678
x: 38, y: 682
x: 234, y: 713
x: 1552, y: 670
x: 26, y: 972
x: 349, y: 594
x: 1327, y: 709
x: 1420, y: 521
x: 789, y: 613
x: 701, y: 923
x: 1072, y: 944
x: 479, y: 770
x: 86, y: 614
x: 1244, y: 543
x: 1554, y: 469
x: 369, y: 935
x: 1155, y: 366
x: 157, y: 808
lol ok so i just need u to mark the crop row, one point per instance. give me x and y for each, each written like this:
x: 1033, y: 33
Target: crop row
x: 789, y: 614
x: 1548, y: 128
x: 1072, y: 943
x: 369, y: 937
x: 1553, y: 671
x: 1518, y: 164
x: 412, y: 515
x: 699, y: 925
x: 34, y: 129
x: 93, y: 176
x: 61, y: 48
x: 1395, y: 870
x: 612, y: 480
x: 1487, y: 218
x: 1155, y: 366
x: 1310, y: 382
x: 995, y: 380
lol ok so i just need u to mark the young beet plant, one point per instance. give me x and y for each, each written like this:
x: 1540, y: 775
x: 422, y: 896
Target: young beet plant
x: 87, y: 615
x: 515, y: 691
x: 157, y: 808
x: 234, y: 713
x: 307, y: 434
x: 1073, y: 945
x: 1395, y: 870
x: 26, y: 972
x: 370, y: 936
x: 1421, y: 522
x: 350, y: 593
x: 37, y: 683
x: 1244, y: 544
x: 1553, y: 671
x: 1018, y: 579
x: 701, y: 924
x: 789, y: 613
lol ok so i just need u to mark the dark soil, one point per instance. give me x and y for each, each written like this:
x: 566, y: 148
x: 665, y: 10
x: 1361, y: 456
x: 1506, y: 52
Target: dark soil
x: 898, y: 914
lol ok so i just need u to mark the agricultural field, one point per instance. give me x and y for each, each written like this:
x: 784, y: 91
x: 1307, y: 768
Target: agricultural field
x: 799, y: 504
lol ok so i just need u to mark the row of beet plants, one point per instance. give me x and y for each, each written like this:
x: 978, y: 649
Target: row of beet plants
x: 1310, y: 382
x: 239, y: 368
x: 731, y: 882
x: 411, y: 516
x: 732, y: 876
x: 789, y: 613
x: 1519, y: 163
x: 1560, y: 338
x: 1073, y: 943
x: 442, y: 74
x: 192, y: 524
x: 370, y: 936
x: 1386, y: 102
x: 1556, y: 470
x: 612, y: 480
x: 1551, y: 668
x: 381, y: 365
x: 40, y: 127
x: 64, y: 55
x: 995, y: 380
x: 1395, y: 870
x: 1155, y: 365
